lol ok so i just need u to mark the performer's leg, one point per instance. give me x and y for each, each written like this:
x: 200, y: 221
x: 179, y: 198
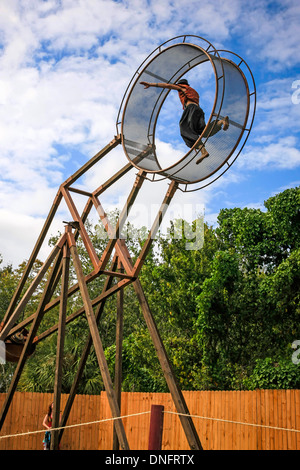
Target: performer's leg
x: 187, y: 130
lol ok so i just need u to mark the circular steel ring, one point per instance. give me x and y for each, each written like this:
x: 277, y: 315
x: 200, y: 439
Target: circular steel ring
x: 140, y: 110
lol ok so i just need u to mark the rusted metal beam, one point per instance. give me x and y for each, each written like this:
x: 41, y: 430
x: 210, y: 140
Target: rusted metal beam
x: 115, y: 411
x: 83, y: 233
x: 60, y: 345
x: 112, y: 180
x: 118, y: 360
x: 155, y: 226
x: 107, y: 293
x: 115, y: 234
x: 31, y: 260
x: 178, y: 399
x: 34, y: 327
x: 84, y: 355
x: 21, y: 306
x: 116, y: 141
x: 53, y: 303
x: 79, y: 191
x: 112, y: 236
x: 120, y: 173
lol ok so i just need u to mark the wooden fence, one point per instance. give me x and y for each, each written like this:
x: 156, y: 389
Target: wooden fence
x: 234, y: 420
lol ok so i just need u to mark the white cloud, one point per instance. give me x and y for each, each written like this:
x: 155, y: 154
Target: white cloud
x: 272, y: 32
x: 282, y: 154
x: 18, y: 235
x: 274, y: 138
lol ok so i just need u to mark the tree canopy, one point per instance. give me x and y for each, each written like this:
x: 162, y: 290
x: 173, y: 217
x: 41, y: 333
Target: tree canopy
x: 228, y: 313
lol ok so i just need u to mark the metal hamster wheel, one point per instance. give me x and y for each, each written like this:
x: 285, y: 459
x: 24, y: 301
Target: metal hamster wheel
x: 235, y: 94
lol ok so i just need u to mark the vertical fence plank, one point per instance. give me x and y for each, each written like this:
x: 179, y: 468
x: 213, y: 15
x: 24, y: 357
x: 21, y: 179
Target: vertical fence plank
x: 82, y: 419
x: 124, y: 409
x: 20, y: 408
x: 276, y: 420
x: 29, y: 424
x: 289, y: 419
x: 15, y: 426
x: 228, y: 426
x: 246, y: 420
x: 99, y: 417
x: 293, y: 413
x: 297, y: 405
x: 168, y: 423
x: 263, y: 419
x: 267, y: 419
x: 243, y: 444
x: 258, y: 420
x: 37, y: 442
x: 272, y: 418
x: 73, y: 432
x: 236, y: 417
x: 92, y: 430
x: 254, y: 420
x: 216, y: 423
x: 200, y: 411
x: 284, y: 419
x: 210, y: 423
x: 3, y: 430
x: 64, y: 443
x: 220, y: 397
x: 224, y: 411
x: 106, y: 443
x: 292, y: 421
x: 279, y: 439
x: 88, y: 408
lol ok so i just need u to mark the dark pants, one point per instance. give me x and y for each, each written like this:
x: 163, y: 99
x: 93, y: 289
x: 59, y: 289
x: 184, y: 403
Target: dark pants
x: 191, y: 124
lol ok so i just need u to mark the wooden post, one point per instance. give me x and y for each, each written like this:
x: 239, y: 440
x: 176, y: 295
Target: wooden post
x: 156, y: 427
x: 60, y: 345
x: 115, y: 411
x: 118, y: 363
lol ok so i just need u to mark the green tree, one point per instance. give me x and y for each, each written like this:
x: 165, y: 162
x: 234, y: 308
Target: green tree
x: 249, y: 307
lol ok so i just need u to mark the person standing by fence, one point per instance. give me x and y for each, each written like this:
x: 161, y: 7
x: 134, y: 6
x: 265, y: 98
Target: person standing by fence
x: 47, y: 423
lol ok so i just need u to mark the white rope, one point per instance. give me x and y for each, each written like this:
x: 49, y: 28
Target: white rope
x: 234, y: 422
x: 73, y: 425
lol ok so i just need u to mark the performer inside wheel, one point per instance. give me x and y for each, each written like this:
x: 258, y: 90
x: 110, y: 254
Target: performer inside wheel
x: 192, y: 122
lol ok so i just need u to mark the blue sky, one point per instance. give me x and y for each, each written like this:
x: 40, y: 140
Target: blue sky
x: 64, y: 67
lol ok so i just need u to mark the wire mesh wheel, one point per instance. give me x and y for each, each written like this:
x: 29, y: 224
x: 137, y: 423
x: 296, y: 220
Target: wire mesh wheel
x: 234, y: 96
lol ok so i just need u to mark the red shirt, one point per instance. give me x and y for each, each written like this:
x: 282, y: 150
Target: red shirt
x: 189, y: 95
